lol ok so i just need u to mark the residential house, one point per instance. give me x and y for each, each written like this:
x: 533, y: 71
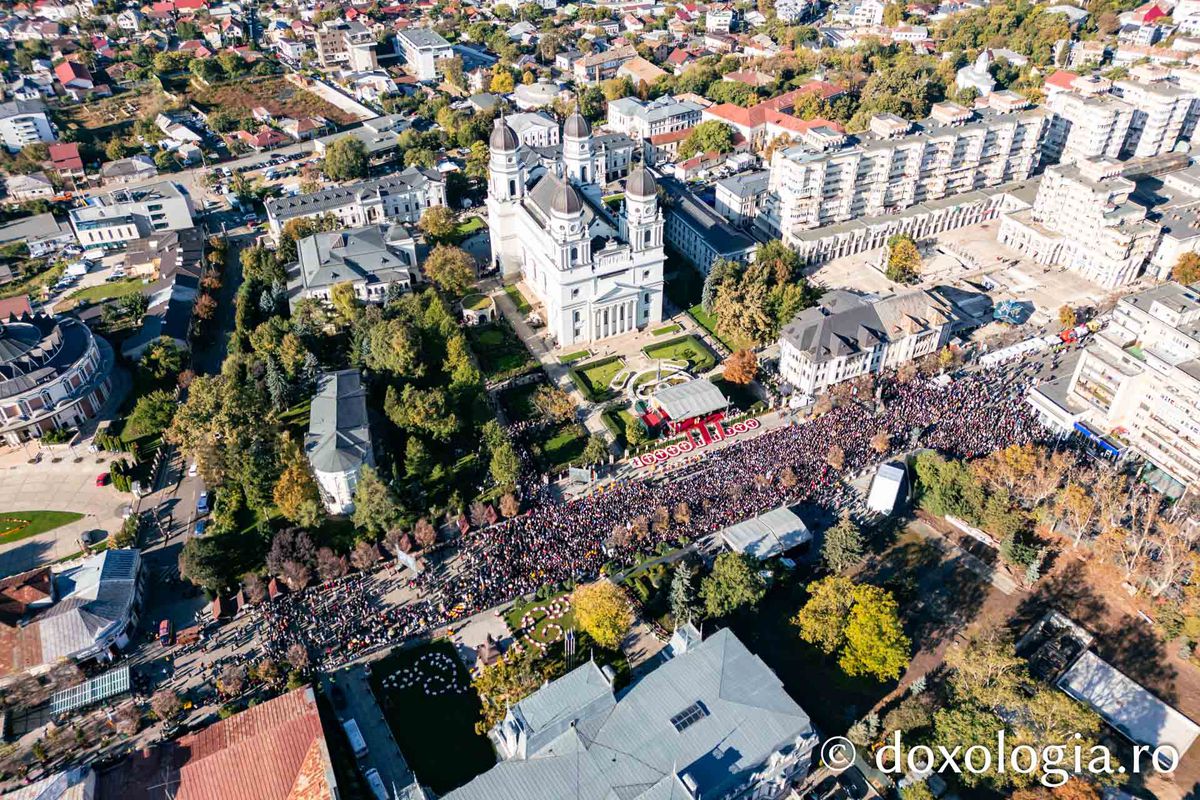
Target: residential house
x: 376, y: 260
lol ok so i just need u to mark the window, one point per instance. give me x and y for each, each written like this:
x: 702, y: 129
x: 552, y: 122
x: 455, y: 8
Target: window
x: 574, y: 293
x: 689, y: 716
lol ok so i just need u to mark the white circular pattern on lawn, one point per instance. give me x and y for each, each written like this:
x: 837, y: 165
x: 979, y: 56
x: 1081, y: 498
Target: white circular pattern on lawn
x: 434, y: 673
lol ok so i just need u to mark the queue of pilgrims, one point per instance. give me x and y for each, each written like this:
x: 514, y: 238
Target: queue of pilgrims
x: 556, y: 543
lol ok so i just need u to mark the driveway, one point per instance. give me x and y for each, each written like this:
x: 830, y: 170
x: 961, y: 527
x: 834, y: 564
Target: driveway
x: 360, y: 705
x: 65, y: 486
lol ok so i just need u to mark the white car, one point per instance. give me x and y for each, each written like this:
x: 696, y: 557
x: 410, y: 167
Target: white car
x: 193, y: 469
x: 376, y: 783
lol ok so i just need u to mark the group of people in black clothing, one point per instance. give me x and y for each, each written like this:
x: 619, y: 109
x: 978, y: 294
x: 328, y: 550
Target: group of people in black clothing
x: 556, y: 542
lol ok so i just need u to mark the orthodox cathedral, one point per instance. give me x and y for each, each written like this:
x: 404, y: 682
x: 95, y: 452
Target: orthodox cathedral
x: 596, y: 274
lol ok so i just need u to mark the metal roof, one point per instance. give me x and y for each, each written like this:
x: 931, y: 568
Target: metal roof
x: 691, y: 399
x: 885, y: 488
x: 102, y: 687
x: 1127, y: 705
x: 767, y: 535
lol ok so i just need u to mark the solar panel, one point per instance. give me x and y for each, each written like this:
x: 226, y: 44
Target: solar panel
x: 689, y: 716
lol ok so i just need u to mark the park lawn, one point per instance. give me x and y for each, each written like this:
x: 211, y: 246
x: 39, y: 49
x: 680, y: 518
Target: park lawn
x: 709, y: 323
x: 34, y: 283
x: 18, y: 525
x: 666, y: 329
x: 571, y: 358
x: 686, y: 348
x: 594, y: 378
x: 562, y: 446
x: 518, y: 402
x: 436, y: 733
x: 476, y: 302
x: 468, y: 227
x: 106, y: 291
x: 500, y: 353
x: 514, y: 615
x: 518, y: 299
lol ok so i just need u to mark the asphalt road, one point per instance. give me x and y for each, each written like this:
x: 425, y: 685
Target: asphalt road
x: 360, y: 705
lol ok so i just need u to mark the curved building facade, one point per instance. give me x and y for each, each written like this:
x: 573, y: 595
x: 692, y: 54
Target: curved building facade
x: 54, y: 373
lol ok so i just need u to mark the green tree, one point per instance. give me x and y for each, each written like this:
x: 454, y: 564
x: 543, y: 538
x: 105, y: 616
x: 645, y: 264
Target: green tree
x: 451, y: 269
x: 681, y: 596
x: 875, y: 641
x: 505, y: 465
x: 345, y: 159
x: 424, y: 410
x: 393, y: 346
x: 708, y: 137
x: 603, y: 612
x: 904, y: 259
x: 822, y: 620
x: 375, y: 507
x: 438, y: 223
x: 345, y: 301
x: 417, y: 459
x: 734, y: 583
x: 843, y: 545
x: 595, y: 451
x: 162, y: 360
x: 152, y: 414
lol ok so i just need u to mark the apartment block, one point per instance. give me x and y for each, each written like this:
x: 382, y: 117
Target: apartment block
x: 897, y: 165
x: 349, y: 45
x: 1086, y: 122
x: 1083, y: 219
x: 24, y: 122
x: 1160, y: 109
x: 1136, y: 387
x: 423, y: 51
x: 113, y: 220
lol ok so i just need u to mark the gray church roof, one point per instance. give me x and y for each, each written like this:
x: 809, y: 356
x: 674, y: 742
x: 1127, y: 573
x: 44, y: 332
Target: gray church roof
x: 339, y: 435
x: 94, y: 595
x: 845, y: 323
x: 577, y: 127
x: 709, y: 717
x: 503, y: 138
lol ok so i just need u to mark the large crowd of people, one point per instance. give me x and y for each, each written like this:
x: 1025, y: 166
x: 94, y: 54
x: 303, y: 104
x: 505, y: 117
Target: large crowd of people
x: 554, y: 543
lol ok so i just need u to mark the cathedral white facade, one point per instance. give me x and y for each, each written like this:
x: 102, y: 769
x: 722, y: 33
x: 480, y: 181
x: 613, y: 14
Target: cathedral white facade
x: 596, y: 275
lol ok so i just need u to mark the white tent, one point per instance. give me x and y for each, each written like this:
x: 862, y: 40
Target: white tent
x: 768, y: 535
x: 885, y: 488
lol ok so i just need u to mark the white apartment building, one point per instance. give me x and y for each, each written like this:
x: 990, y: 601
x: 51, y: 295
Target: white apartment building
x: 738, y: 197
x: 718, y: 21
x: 534, y: 129
x: 848, y: 335
x: 1136, y: 387
x: 595, y: 275
x: 1082, y: 219
x: 1187, y: 16
x: 896, y: 166
x: 114, y: 219
x: 862, y: 14
x: 423, y: 49
x: 400, y: 197
x: 346, y: 44
x: 1160, y: 109
x: 1085, y: 126
x: 24, y: 122
x: 640, y: 120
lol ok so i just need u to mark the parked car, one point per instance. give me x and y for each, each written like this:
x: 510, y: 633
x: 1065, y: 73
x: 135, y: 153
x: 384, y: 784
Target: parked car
x: 202, y: 503
x: 201, y: 525
x: 164, y: 633
x: 103, y: 478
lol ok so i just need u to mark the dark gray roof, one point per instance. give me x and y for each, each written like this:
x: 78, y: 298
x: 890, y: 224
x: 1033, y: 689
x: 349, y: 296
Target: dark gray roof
x: 845, y: 323
x: 641, y: 183
x: 15, y: 108
x: 746, y: 184
x: 339, y: 435
x: 358, y: 254
x: 629, y: 748
x: 503, y: 138
x: 95, y: 594
x: 577, y: 127
x: 566, y: 200
x: 717, y: 233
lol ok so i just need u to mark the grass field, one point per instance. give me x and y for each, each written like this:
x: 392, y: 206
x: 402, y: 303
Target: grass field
x: 468, y: 227
x: 514, y: 616
x: 106, y: 291
x: 593, y: 378
x: 571, y: 358
x: 666, y: 329
x: 619, y: 421
x: 18, y: 525
x: 686, y: 348
x: 436, y: 733
x: 563, y: 445
x: 518, y: 299
x: 477, y: 302
x: 501, y: 354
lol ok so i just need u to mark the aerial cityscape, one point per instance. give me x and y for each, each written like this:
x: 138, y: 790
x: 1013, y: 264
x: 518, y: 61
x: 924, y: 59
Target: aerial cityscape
x: 620, y: 400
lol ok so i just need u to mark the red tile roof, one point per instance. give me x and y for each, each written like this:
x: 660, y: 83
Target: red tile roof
x: 274, y: 751
x: 1062, y: 79
x: 68, y: 71
x: 65, y: 157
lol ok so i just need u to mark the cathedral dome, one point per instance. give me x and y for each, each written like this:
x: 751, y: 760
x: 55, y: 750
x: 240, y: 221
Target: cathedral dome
x: 576, y: 127
x: 503, y: 138
x: 641, y: 183
x: 566, y: 201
